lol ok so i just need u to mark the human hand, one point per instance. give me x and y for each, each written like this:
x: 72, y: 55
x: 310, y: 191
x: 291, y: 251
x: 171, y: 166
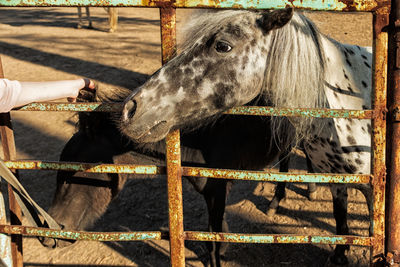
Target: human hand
x: 87, y: 86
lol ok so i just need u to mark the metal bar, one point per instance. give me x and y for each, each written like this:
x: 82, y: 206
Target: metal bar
x: 85, y: 167
x: 279, y: 238
x: 302, y: 112
x: 81, y: 235
x: 188, y: 235
x: 175, y: 199
x: 244, y: 110
x: 84, y: 107
x: 8, y: 143
x: 380, y: 21
x: 264, y: 176
x: 332, y: 5
x: 5, y: 241
x: 393, y: 161
x: 275, y: 177
x: 173, y: 153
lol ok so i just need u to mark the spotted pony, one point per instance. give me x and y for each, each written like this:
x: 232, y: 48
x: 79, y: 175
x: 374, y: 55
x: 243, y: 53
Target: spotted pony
x: 277, y: 58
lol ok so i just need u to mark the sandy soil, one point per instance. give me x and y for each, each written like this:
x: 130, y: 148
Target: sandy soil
x: 42, y: 44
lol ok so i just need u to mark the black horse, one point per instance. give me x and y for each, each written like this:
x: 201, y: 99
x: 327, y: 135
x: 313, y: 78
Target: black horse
x: 81, y: 198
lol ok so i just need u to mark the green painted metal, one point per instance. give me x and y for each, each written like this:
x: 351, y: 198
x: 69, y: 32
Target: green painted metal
x: 332, y: 5
x: 302, y: 112
x: 276, y: 177
x: 85, y: 107
x: 278, y: 238
x: 80, y: 235
x: 244, y: 110
x: 190, y: 171
x: 85, y: 167
x: 189, y: 235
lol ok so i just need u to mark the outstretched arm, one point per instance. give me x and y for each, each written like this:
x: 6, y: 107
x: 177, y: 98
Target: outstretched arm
x: 15, y: 94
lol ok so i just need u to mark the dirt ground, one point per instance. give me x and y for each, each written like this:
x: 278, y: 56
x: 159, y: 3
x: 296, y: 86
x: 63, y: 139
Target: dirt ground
x: 39, y: 44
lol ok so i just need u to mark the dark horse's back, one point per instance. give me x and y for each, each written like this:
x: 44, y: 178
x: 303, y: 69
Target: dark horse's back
x: 228, y: 141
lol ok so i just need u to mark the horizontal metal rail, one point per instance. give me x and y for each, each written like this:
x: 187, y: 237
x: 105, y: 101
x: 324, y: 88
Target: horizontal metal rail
x: 276, y: 177
x: 191, y: 171
x: 244, y: 110
x: 84, y: 167
x: 279, y: 238
x: 78, y: 107
x: 188, y: 235
x: 81, y: 235
x: 331, y: 5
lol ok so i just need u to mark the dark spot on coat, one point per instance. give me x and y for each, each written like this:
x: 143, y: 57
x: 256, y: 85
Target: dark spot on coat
x: 351, y: 140
x: 330, y: 156
x: 188, y: 72
x: 364, y: 57
x: 348, y: 62
x: 345, y: 150
x: 350, y: 168
x: 350, y: 51
x: 350, y: 89
x: 366, y: 64
x: 364, y: 83
x: 348, y: 127
x: 338, y: 157
x: 358, y: 161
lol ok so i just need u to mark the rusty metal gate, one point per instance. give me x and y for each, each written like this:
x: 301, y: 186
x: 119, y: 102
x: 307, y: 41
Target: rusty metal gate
x: 174, y: 170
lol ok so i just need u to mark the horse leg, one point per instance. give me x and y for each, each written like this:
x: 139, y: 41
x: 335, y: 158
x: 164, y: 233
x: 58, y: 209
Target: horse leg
x: 312, y: 187
x: 366, y: 190
x: 215, y: 194
x: 112, y: 18
x: 79, y: 25
x: 281, y: 186
x: 339, y: 195
x: 90, y: 26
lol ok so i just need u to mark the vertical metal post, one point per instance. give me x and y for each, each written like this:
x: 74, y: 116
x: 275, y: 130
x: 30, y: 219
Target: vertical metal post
x: 8, y: 143
x: 380, y: 20
x: 393, y: 186
x: 174, y: 170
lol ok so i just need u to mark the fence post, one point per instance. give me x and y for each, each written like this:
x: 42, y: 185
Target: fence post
x: 380, y: 43
x: 174, y: 170
x: 393, y: 162
x: 8, y: 143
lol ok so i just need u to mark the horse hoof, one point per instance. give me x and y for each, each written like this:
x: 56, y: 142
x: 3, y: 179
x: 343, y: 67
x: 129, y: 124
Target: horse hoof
x: 271, y: 212
x: 48, y: 242
x: 79, y: 26
x: 111, y: 30
x: 56, y: 243
x: 312, y: 196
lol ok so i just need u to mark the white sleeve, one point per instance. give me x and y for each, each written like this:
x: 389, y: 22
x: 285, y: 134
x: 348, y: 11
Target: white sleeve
x: 9, y: 93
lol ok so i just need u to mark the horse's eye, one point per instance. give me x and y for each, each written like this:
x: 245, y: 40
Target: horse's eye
x: 223, y: 47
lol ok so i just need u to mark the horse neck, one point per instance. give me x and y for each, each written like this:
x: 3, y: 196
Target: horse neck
x: 348, y: 75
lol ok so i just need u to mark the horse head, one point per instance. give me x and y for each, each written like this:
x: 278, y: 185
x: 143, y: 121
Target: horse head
x: 222, y: 65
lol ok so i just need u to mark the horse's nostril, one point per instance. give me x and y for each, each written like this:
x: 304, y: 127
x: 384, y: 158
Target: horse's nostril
x: 129, y: 109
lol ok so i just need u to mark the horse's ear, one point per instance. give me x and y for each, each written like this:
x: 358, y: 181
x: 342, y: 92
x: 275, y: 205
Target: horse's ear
x: 275, y: 19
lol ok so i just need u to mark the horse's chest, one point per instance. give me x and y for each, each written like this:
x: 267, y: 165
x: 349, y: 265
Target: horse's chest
x: 341, y: 146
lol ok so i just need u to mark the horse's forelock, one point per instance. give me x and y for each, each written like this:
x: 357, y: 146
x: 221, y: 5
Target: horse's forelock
x: 205, y: 22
